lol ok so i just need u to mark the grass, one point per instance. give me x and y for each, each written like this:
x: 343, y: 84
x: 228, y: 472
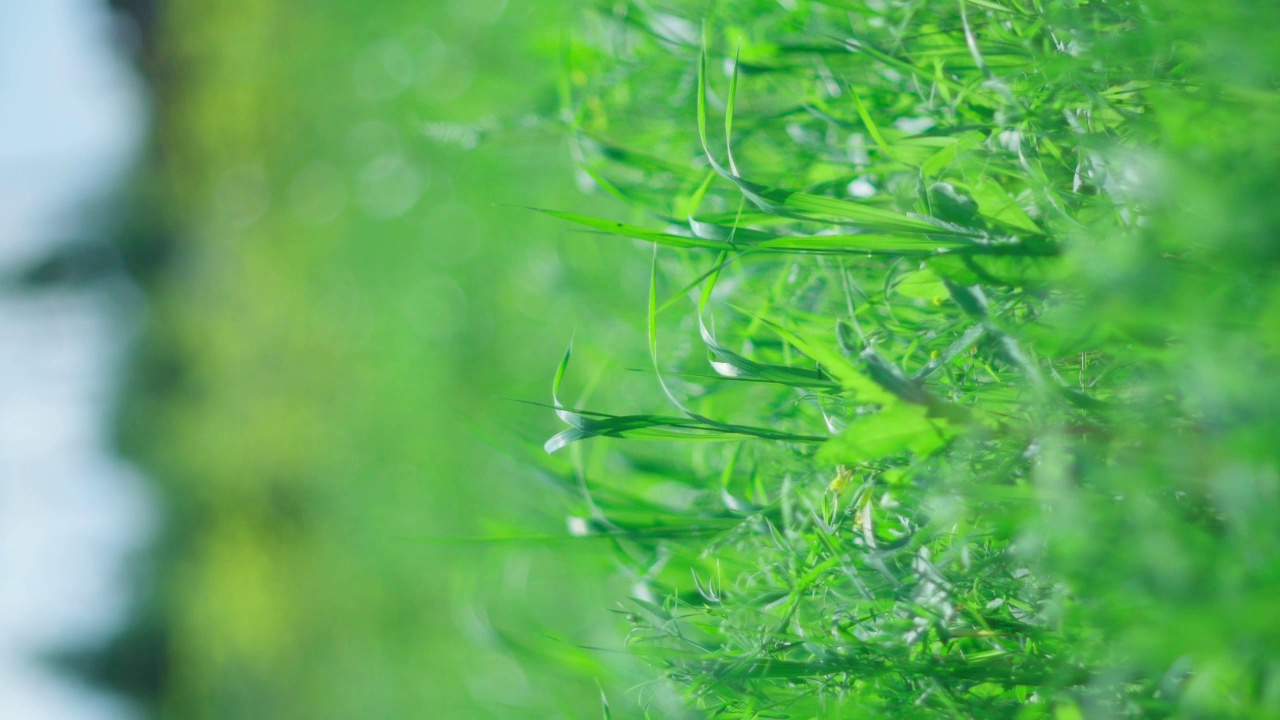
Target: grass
x: 965, y: 312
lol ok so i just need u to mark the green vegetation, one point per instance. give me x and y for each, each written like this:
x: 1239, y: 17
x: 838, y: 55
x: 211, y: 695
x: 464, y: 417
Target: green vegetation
x: 349, y: 293
x: 967, y: 312
x: 957, y: 368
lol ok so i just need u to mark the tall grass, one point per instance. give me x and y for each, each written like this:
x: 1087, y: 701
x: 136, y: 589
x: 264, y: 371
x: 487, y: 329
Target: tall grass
x: 963, y: 332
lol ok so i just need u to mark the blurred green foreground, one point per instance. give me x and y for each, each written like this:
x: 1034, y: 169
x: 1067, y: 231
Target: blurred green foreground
x: 339, y: 301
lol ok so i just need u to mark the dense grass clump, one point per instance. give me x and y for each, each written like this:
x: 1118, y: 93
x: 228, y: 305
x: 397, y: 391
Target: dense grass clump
x: 963, y: 326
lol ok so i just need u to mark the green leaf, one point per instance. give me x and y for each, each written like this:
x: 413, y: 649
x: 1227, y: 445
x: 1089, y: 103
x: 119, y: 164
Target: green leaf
x: 922, y: 284
x: 835, y: 365
x: 996, y: 203
x: 744, y: 239
x: 899, y: 428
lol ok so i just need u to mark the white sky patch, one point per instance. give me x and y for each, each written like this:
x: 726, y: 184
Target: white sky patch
x: 70, y: 513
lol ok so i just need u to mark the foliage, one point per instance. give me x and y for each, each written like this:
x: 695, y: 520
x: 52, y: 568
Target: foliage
x: 333, y: 295
x: 976, y: 362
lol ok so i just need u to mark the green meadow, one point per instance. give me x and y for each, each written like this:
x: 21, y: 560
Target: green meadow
x: 896, y: 358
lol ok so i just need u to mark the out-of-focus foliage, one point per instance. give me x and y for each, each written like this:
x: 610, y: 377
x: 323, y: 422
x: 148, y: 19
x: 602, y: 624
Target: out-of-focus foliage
x: 341, y: 292
x: 968, y: 311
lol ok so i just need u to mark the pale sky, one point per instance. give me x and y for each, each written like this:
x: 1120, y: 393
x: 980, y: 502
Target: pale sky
x: 72, y: 117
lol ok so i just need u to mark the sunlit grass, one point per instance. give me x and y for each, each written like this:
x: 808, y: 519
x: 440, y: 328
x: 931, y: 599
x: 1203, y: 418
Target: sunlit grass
x: 966, y: 313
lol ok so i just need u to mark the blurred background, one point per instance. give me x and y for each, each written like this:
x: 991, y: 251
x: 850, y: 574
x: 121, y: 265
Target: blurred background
x: 268, y: 291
